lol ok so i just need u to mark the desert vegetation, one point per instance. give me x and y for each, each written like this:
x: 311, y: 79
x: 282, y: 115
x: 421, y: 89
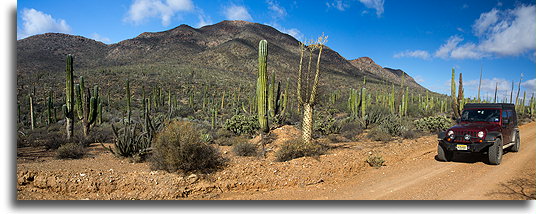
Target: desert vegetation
x: 180, y: 127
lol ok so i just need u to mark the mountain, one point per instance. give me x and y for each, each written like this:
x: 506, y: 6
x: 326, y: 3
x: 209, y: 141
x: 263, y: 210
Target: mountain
x: 223, y: 54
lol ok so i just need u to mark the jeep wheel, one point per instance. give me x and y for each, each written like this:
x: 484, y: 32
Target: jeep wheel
x: 495, y: 152
x: 443, y: 154
x: 515, y: 147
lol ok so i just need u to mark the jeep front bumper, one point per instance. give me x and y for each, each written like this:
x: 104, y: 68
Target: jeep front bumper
x: 469, y: 147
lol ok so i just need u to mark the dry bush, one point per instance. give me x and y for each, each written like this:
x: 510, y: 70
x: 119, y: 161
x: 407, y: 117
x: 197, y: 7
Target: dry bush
x: 178, y: 147
x: 245, y: 149
x: 70, y: 150
x: 296, y: 148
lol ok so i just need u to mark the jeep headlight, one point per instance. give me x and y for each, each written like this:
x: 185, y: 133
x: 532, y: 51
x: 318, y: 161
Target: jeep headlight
x: 450, y: 134
x: 480, y: 134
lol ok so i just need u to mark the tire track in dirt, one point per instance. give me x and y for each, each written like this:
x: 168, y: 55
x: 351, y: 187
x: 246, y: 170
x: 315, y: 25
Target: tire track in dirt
x: 468, y: 177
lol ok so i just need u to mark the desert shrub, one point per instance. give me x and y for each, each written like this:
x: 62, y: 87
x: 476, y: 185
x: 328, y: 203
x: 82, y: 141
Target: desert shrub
x: 379, y: 133
x: 70, y: 150
x: 178, y: 147
x: 375, y: 161
x: 296, y: 148
x: 326, y: 125
x: 433, y: 124
x: 350, y: 128
x: 242, y: 124
x: 375, y: 115
x: 245, y: 149
x: 393, y: 125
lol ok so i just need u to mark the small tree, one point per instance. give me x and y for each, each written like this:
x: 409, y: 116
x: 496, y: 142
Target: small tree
x: 307, y: 90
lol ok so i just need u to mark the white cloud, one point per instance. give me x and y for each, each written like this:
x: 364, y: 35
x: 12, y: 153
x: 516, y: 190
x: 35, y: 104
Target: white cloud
x: 485, y: 21
x: 419, y: 79
x: 338, y: 4
x: 141, y: 10
x: 294, y: 32
x: 513, y: 34
x: 374, y: 4
x: 277, y: 10
x: 96, y: 36
x: 37, y: 22
x: 445, y: 49
x: 421, y: 54
x: 235, y: 12
x: 203, y: 20
x: 500, y: 33
x: 530, y: 85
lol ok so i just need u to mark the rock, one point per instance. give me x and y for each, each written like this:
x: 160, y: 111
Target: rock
x: 192, y: 178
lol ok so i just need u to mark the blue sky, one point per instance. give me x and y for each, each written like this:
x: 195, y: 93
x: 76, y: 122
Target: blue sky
x: 424, y: 38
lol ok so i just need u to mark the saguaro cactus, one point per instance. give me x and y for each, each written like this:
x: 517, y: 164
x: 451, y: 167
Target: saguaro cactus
x: 455, y: 104
x: 262, y: 89
x: 68, y: 108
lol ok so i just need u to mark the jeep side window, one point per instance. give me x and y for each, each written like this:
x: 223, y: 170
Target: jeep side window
x: 505, y: 115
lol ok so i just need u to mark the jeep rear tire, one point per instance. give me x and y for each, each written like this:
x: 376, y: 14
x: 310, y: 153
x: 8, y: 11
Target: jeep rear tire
x: 495, y: 152
x: 515, y: 147
x: 444, y: 154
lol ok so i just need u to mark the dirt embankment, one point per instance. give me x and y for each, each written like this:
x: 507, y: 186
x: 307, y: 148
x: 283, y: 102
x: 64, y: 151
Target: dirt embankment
x: 410, y: 172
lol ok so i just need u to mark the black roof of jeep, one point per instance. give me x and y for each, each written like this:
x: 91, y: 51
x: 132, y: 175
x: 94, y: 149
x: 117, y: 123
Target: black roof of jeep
x: 490, y: 105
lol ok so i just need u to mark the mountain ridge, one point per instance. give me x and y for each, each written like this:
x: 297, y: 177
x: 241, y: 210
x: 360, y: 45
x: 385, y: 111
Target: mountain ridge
x: 227, y: 46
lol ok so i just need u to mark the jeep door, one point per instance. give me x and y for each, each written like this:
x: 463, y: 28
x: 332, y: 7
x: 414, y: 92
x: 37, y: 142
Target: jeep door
x: 506, y: 124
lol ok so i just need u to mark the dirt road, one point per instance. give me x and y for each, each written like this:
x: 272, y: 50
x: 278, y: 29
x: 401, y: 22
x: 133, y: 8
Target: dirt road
x: 421, y: 177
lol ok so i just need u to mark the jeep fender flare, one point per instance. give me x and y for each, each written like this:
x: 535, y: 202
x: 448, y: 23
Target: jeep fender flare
x: 491, y: 136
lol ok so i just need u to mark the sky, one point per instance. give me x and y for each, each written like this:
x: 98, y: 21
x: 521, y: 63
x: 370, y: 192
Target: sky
x: 424, y: 38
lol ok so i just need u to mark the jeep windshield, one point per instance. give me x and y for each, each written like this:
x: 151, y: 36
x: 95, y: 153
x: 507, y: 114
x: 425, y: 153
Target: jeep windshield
x: 481, y: 115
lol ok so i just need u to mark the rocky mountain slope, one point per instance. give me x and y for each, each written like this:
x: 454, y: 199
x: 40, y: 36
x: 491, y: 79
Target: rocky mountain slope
x: 225, y: 50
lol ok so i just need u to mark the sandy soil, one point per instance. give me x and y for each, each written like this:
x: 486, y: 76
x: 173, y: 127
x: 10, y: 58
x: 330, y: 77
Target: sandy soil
x: 410, y: 172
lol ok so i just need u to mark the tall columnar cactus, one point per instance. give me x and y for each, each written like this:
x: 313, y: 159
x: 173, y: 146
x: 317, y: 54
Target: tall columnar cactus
x: 68, y: 108
x: 86, y: 105
x: 128, y: 101
x: 50, y: 106
x: 32, y: 113
x: 461, y: 99
x: 363, y: 102
x: 455, y: 104
x: 262, y: 87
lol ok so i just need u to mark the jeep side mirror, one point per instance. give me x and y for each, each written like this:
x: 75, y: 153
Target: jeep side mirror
x: 458, y: 120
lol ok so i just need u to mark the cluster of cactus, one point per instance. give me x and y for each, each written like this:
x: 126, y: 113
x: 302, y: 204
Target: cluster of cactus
x: 357, y: 103
x: 433, y: 124
x: 86, y: 104
x: 68, y: 107
x: 242, y: 124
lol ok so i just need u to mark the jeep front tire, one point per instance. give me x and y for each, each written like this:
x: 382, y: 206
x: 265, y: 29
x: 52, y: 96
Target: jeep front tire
x: 495, y: 152
x: 444, y: 154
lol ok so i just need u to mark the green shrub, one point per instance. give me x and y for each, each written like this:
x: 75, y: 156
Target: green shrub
x: 245, y: 149
x: 326, y: 125
x: 70, y: 150
x: 393, y: 125
x: 178, y: 147
x: 375, y: 161
x: 295, y: 149
x: 242, y: 124
x: 433, y: 124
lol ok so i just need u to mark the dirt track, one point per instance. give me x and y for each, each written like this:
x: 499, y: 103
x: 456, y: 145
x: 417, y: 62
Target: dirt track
x: 410, y: 173
x: 421, y: 177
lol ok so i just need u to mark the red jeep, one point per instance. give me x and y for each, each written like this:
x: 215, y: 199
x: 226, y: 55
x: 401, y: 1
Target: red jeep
x: 486, y: 128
